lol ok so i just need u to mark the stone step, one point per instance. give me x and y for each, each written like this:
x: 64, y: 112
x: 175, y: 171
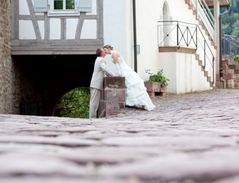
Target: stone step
x: 236, y: 71
x: 228, y: 76
x: 219, y: 84
x: 236, y: 84
x: 230, y: 83
x: 232, y: 66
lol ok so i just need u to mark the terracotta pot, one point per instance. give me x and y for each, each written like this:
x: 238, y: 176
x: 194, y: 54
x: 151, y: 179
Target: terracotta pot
x: 152, y: 87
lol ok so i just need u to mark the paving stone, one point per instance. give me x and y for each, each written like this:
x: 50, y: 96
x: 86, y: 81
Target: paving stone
x: 190, y: 138
x: 25, y: 163
x: 181, y: 166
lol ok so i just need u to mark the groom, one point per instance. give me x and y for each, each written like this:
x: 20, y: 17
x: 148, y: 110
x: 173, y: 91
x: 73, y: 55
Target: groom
x: 96, y: 84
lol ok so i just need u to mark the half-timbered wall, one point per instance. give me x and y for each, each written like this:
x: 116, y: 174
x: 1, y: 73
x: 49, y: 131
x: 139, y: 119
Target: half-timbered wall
x: 56, y: 32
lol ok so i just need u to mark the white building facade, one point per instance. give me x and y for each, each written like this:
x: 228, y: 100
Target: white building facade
x: 179, y: 36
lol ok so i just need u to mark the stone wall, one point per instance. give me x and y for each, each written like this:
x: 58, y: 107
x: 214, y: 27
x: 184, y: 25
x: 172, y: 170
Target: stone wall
x: 7, y: 81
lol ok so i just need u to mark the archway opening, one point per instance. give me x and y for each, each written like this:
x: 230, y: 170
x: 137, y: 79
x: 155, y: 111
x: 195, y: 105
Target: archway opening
x: 43, y: 79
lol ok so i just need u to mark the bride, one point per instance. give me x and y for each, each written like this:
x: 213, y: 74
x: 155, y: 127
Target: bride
x: 136, y: 94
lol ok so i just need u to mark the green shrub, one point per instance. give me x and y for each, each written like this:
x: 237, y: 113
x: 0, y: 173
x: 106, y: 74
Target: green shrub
x: 74, y: 103
x: 158, y: 77
x: 236, y: 58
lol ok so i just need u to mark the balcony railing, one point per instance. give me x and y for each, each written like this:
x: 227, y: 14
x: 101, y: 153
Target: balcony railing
x: 186, y: 35
x: 230, y: 46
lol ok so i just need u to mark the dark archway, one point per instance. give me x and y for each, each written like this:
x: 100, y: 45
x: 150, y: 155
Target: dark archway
x: 44, y: 79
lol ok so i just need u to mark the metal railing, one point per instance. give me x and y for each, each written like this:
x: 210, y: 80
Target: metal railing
x: 187, y: 35
x: 230, y: 46
x: 205, y: 14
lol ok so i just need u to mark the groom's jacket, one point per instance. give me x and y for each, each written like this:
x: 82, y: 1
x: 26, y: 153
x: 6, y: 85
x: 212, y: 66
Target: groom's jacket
x: 100, y: 69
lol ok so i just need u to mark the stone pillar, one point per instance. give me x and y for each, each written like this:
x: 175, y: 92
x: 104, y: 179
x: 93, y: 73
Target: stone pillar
x: 7, y: 85
x: 217, y: 35
x: 113, y: 96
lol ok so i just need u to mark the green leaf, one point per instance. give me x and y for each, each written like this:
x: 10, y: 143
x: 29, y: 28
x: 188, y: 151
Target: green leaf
x: 74, y: 103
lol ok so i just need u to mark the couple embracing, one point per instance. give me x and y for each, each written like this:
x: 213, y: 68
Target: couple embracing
x: 136, y: 94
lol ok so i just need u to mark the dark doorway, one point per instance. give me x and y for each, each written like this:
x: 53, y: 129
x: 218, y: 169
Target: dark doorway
x: 44, y: 79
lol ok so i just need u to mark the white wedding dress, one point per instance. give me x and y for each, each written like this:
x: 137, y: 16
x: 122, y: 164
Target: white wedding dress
x: 136, y: 93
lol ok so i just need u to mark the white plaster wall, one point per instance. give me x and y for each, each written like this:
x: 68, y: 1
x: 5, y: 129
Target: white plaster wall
x: 26, y: 30
x: 179, y: 11
x: 118, y: 30
x: 148, y: 14
x: 23, y: 7
x: 71, y: 26
x: 55, y: 28
x: 183, y: 72
x: 168, y: 64
x: 189, y: 76
x: 89, y: 30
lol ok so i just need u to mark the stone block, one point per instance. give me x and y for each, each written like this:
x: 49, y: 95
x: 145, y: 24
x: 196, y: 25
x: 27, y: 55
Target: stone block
x: 236, y: 84
x: 108, y: 108
x: 224, y: 65
x: 114, y: 82
x: 112, y: 93
x: 229, y: 76
x: 113, y: 96
x: 232, y: 66
x: 230, y: 83
x: 237, y: 71
x: 219, y: 84
x: 226, y: 61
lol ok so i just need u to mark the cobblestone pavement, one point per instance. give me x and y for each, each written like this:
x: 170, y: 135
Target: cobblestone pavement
x: 192, y: 138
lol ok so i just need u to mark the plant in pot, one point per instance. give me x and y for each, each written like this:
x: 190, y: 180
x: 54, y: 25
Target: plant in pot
x: 156, y: 83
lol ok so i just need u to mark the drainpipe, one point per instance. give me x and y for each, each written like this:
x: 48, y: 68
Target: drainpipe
x: 216, y: 5
x: 135, y: 35
x: 220, y: 45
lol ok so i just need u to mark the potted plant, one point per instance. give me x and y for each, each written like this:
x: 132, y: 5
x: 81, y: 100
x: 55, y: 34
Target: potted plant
x: 157, y: 83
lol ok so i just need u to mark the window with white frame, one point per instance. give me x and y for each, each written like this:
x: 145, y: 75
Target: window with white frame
x: 64, y: 4
x: 69, y: 7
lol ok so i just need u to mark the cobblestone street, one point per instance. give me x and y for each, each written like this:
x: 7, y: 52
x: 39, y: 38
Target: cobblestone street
x: 191, y: 138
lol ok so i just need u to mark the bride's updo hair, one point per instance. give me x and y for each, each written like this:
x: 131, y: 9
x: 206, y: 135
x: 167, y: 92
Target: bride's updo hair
x: 108, y: 46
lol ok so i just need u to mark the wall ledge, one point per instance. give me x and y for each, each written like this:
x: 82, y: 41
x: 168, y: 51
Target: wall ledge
x: 177, y: 49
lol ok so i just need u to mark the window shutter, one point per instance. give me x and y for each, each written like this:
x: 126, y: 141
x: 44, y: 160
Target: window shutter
x: 40, y: 5
x: 85, y: 5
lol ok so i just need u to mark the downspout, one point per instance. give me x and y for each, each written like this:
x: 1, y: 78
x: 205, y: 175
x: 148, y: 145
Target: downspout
x: 135, y: 36
x: 220, y: 45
